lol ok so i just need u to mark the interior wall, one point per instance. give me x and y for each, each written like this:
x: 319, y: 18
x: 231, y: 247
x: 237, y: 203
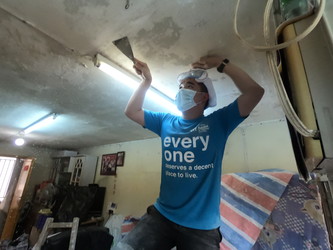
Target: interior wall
x: 137, y: 182
x: 136, y: 185
x: 261, y: 146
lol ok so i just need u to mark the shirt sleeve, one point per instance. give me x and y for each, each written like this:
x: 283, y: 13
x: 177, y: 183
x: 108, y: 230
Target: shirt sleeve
x: 230, y: 116
x: 153, y: 121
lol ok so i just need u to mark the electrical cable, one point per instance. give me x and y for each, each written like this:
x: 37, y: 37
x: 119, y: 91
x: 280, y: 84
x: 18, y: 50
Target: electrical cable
x: 283, y: 45
x: 286, y: 105
x: 271, y: 58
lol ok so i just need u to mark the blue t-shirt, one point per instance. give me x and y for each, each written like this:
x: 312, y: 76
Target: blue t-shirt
x: 192, y: 152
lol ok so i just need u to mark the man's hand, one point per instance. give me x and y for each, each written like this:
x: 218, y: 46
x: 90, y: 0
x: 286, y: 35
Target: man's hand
x: 208, y: 62
x: 142, y: 70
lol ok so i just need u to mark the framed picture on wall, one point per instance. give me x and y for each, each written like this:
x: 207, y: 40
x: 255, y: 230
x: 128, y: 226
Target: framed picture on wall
x: 120, y: 158
x: 109, y: 164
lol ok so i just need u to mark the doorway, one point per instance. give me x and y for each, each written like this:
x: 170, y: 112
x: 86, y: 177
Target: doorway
x: 15, y: 174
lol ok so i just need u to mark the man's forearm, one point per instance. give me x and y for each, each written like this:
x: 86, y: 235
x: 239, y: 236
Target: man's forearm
x: 241, y: 79
x: 134, y: 109
x: 251, y: 91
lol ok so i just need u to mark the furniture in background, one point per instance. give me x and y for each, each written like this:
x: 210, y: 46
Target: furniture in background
x: 83, y: 238
x: 78, y: 170
x: 49, y: 224
x: 84, y: 202
x: 88, y: 238
x: 68, y: 202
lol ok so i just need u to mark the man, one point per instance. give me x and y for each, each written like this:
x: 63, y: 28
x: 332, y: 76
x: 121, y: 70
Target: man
x: 186, y: 214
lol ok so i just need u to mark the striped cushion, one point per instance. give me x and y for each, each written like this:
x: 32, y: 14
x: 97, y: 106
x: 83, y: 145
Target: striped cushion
x: 247, y: 200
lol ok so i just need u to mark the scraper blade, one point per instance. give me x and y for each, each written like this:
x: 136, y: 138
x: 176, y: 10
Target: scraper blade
x: 124, y: 46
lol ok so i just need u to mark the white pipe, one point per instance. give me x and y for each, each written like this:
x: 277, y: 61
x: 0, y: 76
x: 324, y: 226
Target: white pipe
x: 271, y: 58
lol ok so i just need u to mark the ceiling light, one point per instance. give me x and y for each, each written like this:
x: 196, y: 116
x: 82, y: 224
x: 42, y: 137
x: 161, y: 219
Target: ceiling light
x: 44, y: 121
x: 133, y: 82
x: 19, y: 141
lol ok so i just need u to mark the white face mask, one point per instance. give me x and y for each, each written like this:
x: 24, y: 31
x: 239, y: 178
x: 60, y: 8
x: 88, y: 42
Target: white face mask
x: 185, y: 99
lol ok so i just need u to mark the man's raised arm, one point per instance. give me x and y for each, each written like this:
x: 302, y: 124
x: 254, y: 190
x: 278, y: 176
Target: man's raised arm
x: 134, y: 109
x: 251, y: 91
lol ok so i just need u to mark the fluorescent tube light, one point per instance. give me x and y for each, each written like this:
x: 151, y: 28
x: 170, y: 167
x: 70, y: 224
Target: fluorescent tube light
x: 133, y: 82
x: 44, y: 121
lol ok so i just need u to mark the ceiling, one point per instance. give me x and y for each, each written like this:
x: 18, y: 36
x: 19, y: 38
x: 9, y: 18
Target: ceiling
x: 46, y: 62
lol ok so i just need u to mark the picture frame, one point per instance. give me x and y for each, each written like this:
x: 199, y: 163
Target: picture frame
x: 109, y: 164
x: 120, y: 158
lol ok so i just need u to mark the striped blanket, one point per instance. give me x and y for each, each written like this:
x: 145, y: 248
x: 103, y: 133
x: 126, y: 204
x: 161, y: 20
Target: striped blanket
x: 247, y: 200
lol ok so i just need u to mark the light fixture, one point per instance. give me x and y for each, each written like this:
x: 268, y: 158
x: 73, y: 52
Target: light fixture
x: 133, y: 82
x: 19, y: 141
x: 44, y: 121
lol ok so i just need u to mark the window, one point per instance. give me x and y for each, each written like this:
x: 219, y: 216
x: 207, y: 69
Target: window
x: 7, y: 165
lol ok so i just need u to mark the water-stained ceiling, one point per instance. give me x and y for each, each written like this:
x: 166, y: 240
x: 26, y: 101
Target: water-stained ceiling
x: 46, y: 62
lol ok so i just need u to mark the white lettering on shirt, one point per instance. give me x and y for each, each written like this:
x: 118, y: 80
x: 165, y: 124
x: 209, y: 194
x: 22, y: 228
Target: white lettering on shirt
x: 187, y: 142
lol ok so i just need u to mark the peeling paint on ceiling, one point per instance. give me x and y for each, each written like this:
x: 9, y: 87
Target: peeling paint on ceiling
x: 73, y: 6
x: 46, y: 51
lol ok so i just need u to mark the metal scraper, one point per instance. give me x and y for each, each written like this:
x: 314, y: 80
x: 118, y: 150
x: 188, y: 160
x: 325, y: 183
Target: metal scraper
x: 124, y: 46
